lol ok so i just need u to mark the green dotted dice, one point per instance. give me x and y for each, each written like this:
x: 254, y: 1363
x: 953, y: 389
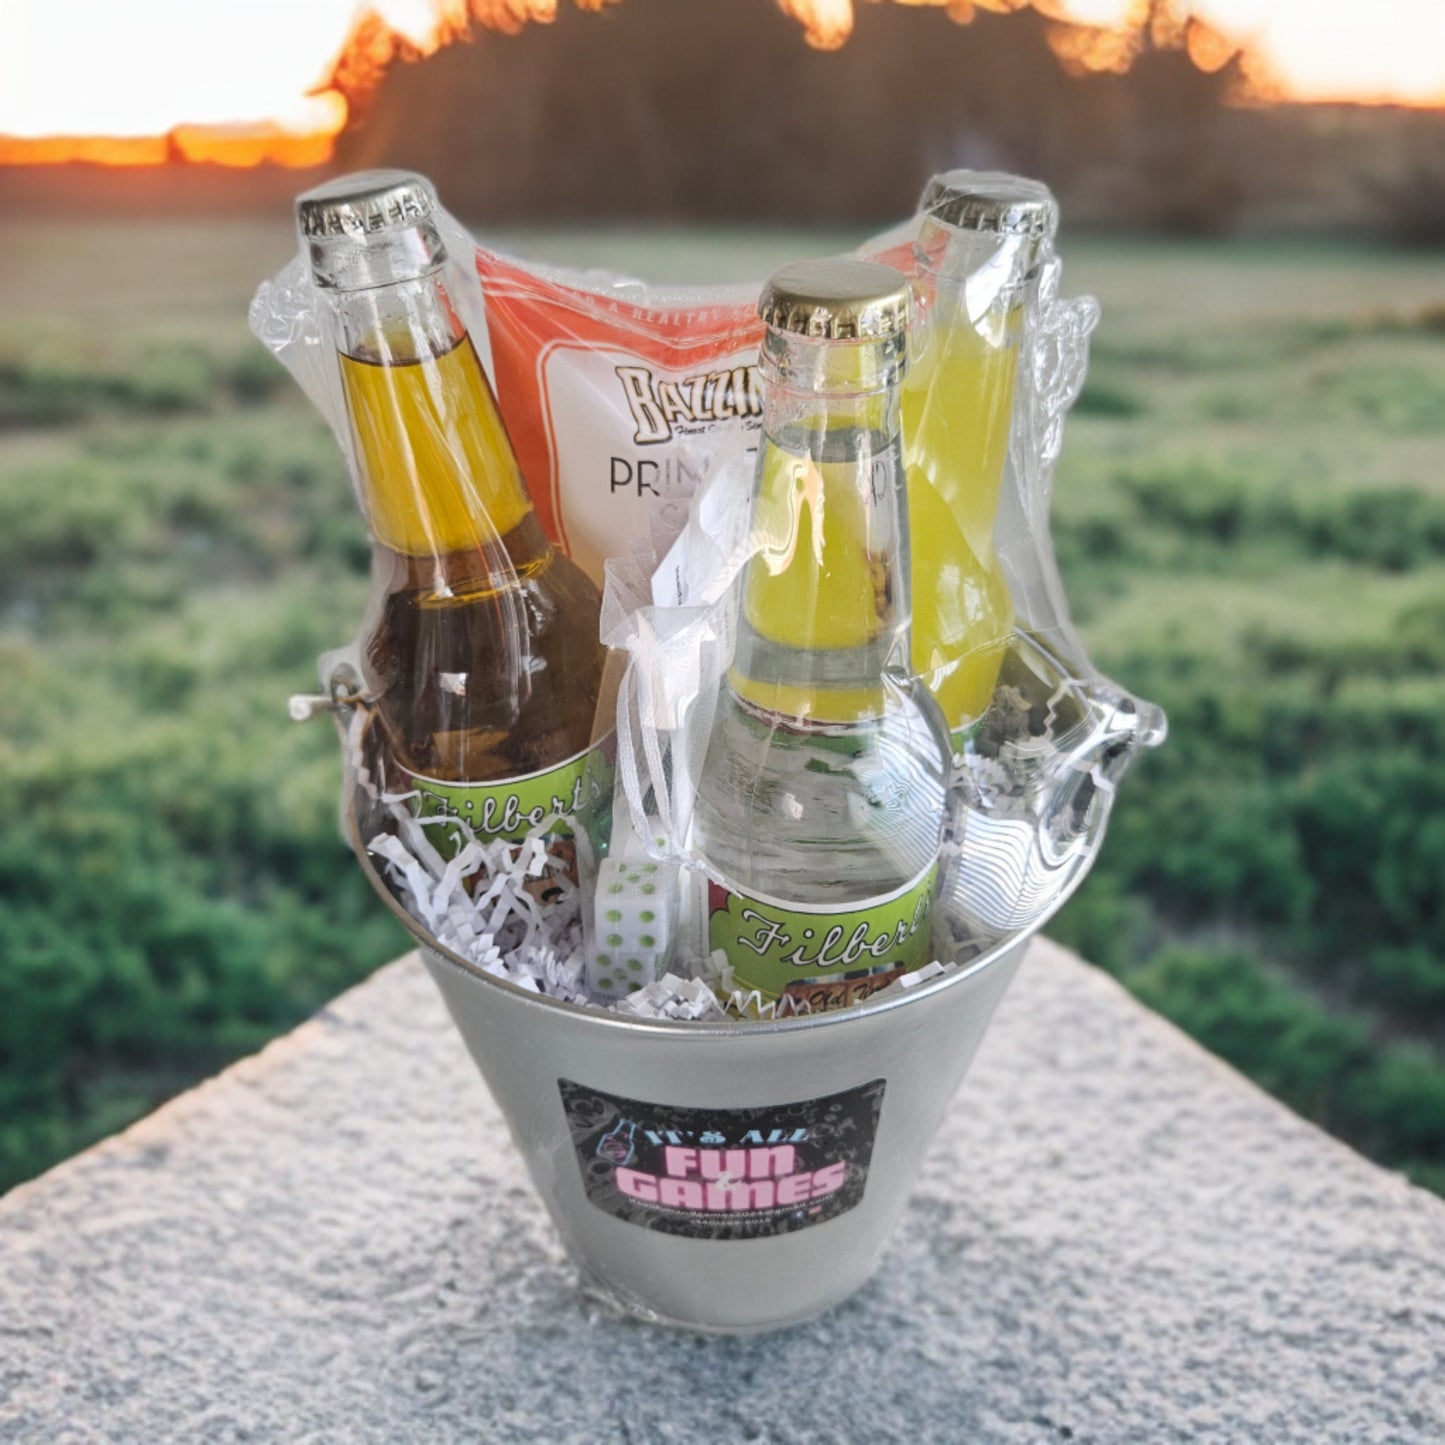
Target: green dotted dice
x: 635, y: 919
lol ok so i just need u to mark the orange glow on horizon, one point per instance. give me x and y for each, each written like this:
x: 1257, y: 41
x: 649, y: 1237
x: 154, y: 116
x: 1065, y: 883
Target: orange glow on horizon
x: 165, y: 80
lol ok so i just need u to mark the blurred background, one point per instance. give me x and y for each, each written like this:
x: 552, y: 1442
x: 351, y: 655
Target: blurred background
x: 1250, y: 510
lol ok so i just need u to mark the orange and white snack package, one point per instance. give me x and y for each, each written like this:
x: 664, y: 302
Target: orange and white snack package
x: 615, y: 394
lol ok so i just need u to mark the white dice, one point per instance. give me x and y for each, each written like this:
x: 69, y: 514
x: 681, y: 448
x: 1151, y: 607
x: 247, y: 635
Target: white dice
x: 635, y: 914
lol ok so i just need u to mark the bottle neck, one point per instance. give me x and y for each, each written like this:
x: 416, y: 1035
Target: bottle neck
x: 810, y: 367
x: 977, y: 278
x: 435, y: 469
x: 825, y: 609
x: 348, y: 261
x: 399, y: 323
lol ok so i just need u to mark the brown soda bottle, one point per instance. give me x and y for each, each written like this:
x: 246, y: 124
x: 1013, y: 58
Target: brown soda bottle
x: 482, y: 652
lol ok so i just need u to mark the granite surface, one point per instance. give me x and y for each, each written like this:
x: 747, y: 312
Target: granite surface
x: 1115, y: 1239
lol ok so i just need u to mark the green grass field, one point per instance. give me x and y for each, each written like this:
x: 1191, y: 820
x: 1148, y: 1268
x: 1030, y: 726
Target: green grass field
x: 1250, y: 513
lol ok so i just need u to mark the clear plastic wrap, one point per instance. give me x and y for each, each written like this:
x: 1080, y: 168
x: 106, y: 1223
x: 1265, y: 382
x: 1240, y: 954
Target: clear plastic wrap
x: 636, y: 413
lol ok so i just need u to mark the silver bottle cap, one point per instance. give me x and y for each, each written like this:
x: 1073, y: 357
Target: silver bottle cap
x: 370, y: 228
x: 991, y: 201
x: 365, y: 202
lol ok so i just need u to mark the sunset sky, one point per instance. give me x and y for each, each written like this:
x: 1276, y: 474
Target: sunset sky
x: 144, y: 68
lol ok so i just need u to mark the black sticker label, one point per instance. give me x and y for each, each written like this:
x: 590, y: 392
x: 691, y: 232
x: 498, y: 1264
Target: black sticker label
x: 724, y: 1173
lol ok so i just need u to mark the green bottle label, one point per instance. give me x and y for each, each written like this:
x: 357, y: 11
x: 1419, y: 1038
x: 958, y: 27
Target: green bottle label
x: 963, y: 738
x: 824, y: 957
x: 509, y: 808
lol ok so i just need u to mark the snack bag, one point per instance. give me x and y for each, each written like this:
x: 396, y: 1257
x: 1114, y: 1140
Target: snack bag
x: 616, y: 398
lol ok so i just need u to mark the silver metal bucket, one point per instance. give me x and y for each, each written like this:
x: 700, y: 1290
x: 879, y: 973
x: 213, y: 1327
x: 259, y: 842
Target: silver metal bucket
x: 764, y: 1164
x: 907, y: 1055
x: 745, y: 1176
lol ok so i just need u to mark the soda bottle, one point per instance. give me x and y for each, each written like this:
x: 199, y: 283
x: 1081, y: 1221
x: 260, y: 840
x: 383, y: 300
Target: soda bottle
x: 820, y: 805
x: 619, y: 1143
x: 482, y: 652
x: 978, y: 249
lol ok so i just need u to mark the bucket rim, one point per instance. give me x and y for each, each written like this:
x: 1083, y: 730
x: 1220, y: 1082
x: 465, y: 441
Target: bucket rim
x: 732, y: 1029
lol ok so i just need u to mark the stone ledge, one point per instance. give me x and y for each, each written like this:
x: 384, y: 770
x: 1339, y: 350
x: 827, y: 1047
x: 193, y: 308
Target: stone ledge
x: 1115, y: 1238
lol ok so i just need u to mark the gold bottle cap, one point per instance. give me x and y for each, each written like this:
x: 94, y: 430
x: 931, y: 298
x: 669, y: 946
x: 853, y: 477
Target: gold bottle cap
x: 836, y: 300
x: 991, y: 201
x: 365, y: 203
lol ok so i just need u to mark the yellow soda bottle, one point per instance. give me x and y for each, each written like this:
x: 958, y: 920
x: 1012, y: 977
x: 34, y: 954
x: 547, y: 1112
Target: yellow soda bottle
x: 482, y: 652
x: 981, y: 238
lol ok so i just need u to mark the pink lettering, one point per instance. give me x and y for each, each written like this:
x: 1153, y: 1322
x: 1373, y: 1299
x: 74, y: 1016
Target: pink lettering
x: 740, y: 1195
x: 771, y: 1163
x: 725, y: 1190
x: 713, y: 1163
x: 679, y: 1162
x: 794, y: 1189
x: 636, y: 1185
x: 680, y: 1193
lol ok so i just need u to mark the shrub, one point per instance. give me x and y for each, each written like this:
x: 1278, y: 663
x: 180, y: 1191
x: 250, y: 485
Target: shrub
x: 1102, y: 398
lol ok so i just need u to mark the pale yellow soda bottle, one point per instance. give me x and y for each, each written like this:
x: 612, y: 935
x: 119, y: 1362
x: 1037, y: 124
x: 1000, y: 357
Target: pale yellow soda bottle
x: 820, y: 805
x: 981, y: 238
